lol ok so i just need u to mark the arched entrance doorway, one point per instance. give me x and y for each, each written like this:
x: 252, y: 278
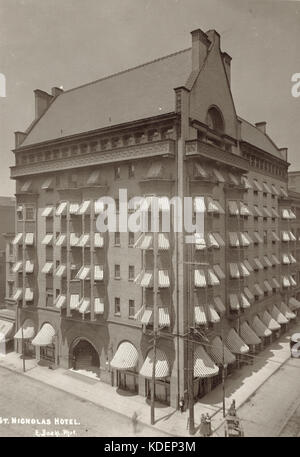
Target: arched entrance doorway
x: 85, y: 358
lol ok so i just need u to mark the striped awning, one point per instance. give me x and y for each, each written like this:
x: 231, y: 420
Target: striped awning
x: 73, y: 239
x: 217, y: 350
x: 286, y: 311
x: 260, y: 328
x: 47, y: 239
x: 200, y: 316
x: 212, y: 315
x: 61, y: 240
x: 244, y: 303
x: 74, y: 301
x: 17, y: 238
x: 219, y: 305
x: 248, y: 335
x: 126, y: 357
x: 6, y: 330
x: 98, y: 240
x: 162, y: 367
x: 234, y: 302
x: 235, y: 343
x: 26, y: 331
x: 204, y: 367
x: 29, y: 239
x: 258, y: 290
x: 60, y: 301
x: 17, y: 267
x: 83, y: 240
x: 61, y: 209
x: 248, y: 294
x: 293, y: 303
x: 145, y: 241
x: 84, y: 207
x: 147, y: 316
x: 163, y: 317
x: 84, y: 306
x: 278, y: 316
x: 47, y: 211
x: 270, y: 322
x: 47, y: 267
x: 145, y: 279
x: 28, y: 294
x: 98, y: 305
x: 18, y: 294
x: 233, y: 208
x: 29, y: 266
x: 45, y: 336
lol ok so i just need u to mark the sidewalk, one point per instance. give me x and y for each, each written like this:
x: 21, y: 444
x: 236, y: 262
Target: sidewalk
x: 241, y: 385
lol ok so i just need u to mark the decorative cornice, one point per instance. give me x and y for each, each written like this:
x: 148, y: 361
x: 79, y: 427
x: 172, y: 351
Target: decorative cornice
x: 165, y: 147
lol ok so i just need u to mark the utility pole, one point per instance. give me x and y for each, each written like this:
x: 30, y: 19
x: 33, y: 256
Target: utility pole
x: 190, y: 359
x: 223, y: 371
x: 23, y: 351
x: 155, y: 320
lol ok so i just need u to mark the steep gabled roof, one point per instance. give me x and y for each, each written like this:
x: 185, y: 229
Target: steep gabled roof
x: 254, y: 136
x: 138, y: 93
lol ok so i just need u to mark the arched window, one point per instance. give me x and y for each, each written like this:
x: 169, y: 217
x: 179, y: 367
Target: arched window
x: 215, y: 120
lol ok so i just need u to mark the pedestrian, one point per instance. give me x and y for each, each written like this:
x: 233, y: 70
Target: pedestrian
x: 188, y: 423
x: 134, y: 421
x: 181, y: 405
x: 208, y: 425
x: 202, y: 425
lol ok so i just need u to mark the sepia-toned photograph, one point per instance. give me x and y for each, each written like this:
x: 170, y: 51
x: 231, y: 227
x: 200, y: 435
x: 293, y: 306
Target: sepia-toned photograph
x: 149, y: 221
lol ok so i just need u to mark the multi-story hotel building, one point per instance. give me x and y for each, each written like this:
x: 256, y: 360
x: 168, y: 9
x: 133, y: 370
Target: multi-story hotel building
x: 85, y: 299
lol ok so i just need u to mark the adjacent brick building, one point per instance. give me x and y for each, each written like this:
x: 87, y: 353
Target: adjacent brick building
x: 85, y: 300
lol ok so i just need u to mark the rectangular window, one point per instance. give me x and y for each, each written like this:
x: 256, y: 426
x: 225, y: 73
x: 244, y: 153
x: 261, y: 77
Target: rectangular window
x: 11, y: 249
x: 10, y: 288
x: 265, y: 236
x: 29, y: 213
x: 130, y: 238
x: 131, y: 170
x: 131, y: 310
x: 117, y: 239
x: 117, y: 272
x: 117, y: 306
x: 117, y: 172
x: 131, y: 273
x: 49, y: 297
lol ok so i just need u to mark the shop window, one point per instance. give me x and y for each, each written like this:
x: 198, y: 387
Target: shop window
x: 29, y: 213
x: 117, y: 239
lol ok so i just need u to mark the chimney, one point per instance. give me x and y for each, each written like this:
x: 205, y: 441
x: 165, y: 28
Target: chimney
x: 213, y: 37
x: 227, y: 65
x: 200, y: 44
x: 56, y: 91
x: 262, y: 126
x: 19, y: 138
x: 42, y: 101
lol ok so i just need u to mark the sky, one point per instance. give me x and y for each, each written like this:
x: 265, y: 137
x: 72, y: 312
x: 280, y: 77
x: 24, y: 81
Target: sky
x: 46, y: 43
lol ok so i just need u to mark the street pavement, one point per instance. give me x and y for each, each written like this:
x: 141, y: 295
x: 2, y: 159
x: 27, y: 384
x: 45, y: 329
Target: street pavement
x: 266, y: 412
x: 273, y: 373
x: 22, y: 397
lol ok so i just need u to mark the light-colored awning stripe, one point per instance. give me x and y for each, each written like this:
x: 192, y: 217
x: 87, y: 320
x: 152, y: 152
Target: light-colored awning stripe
x: 200, y: 316
x: 60, y: 301
x: 163, y: 317
x: 278, y: 316
x: 27, y: 332
x: 286, y: 311
x: 6, y: 330
x: 216, y: 351
x: 235, y: 343
x: 293, y: 303
x: 126, y: 357
x: 17, y: 238
x: 45, y: 336
x: 248, y: 335
x: 162, y: 367
x: 204, y: 367
x: 270, y: 322
x: 260, y: 328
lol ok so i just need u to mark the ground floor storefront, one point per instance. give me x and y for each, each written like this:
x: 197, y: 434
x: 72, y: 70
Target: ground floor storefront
x: 127, y: 362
